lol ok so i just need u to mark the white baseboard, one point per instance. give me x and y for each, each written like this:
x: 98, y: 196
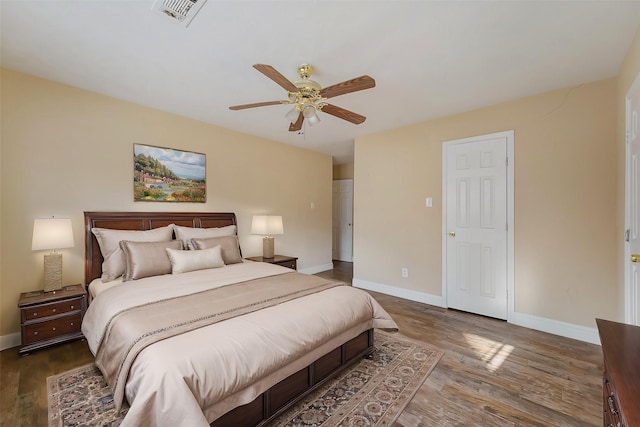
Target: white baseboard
x: 556, y: 327
x: 398, y: 292
x: 9, y: 341
x: 317, y: 269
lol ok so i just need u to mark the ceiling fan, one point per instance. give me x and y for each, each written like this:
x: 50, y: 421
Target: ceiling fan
x: 308, y: 97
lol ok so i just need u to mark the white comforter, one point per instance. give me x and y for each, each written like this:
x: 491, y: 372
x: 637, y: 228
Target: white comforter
x: 194, y: 378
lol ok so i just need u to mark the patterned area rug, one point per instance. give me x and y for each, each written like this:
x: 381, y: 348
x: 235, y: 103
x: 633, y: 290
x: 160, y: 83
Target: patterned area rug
x: 372, y: 392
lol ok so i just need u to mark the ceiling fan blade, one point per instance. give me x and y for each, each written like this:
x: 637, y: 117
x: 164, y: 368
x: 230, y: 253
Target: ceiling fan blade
x: 343, y: 114
x: 274, y: 75
x: 298, y: 124
x: 353, y: 85
x: 257, y: 104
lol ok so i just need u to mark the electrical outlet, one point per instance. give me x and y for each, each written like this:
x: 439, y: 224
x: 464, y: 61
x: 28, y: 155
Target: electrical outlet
x: 405, y: 272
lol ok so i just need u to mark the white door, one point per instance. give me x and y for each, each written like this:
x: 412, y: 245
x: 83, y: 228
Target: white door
x: 343, y: 220
x: 475, y: 227
x: 632, y: 201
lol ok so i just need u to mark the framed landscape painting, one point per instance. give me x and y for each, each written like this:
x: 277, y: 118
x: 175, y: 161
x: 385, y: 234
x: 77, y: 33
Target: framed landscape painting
x: 168, y: 175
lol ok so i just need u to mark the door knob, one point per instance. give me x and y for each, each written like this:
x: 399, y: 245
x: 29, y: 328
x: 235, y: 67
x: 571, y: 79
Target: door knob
x: 635, y: 257
x: 453, y: 234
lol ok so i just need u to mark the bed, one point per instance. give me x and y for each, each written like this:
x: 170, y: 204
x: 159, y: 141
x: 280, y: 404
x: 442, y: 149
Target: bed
x: 227, y: 345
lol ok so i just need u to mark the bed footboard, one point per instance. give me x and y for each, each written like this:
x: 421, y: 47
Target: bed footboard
x: 292, y: 389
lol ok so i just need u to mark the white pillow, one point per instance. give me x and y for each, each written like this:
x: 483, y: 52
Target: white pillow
x: 187, y: 233
x: 109, y: 242
x: 183, y: 261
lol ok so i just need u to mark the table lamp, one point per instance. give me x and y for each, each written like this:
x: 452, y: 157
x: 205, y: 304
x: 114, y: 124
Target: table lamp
x: 267, y: 225
x: 52, y: 234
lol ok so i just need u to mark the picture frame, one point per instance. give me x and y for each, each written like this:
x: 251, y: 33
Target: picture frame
x: 163, y: 174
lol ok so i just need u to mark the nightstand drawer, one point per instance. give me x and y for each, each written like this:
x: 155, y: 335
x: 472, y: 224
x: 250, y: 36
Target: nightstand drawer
x: 289, y: 264
x: 52, y: 328
x: 52, y: 309
x: 282, y: 260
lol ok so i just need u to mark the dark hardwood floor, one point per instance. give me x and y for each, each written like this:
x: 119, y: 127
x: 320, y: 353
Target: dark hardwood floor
x: 492, y: 374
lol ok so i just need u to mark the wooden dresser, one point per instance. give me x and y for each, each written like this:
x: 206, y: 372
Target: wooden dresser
x: 621, y: 379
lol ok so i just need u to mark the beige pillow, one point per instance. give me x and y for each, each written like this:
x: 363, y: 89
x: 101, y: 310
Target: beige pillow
x: 187, y: 233
x: 183, y: 261
x: 146, y: 259
x: 109, y: 242
x: 229, y: 244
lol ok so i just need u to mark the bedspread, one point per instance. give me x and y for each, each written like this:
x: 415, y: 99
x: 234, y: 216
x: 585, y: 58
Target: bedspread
x: 193, y: 378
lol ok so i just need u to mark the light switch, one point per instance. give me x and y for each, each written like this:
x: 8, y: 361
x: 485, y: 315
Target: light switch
x: 429, y: 202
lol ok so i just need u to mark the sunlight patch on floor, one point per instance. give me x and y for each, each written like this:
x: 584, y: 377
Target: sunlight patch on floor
x: 493, y: 353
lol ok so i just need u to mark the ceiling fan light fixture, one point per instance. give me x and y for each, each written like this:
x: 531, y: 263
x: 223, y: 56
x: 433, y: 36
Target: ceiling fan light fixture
x: 313, y: 119
x: 292, y: 114
x: 308, y: 111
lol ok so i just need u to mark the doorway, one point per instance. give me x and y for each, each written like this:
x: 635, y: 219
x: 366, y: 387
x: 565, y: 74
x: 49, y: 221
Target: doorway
x: 343, y: 220
x: 477, y: 224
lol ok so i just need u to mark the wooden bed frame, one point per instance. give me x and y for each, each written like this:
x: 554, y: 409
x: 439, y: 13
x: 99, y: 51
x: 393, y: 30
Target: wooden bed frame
x: 281, y: 396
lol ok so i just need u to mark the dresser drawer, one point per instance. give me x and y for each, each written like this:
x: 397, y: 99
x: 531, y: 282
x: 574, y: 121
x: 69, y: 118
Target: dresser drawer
x: 40, y: 331
x: 612, y: 413
x: 52, y: 309
x: 610, y: 404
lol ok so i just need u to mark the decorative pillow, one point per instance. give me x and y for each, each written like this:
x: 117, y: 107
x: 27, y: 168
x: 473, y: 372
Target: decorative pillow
x: 109, y: 242
x: 145, y: 259
x: 229, y: 244
x: 183, y: 261
x: 187, y: 233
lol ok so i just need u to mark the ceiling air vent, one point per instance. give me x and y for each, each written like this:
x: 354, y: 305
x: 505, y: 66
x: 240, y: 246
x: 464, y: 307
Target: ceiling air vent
x: 179, y: 11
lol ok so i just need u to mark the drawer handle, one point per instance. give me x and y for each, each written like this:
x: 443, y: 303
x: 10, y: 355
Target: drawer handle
x: 35, y: 333
x: 54, y: 310
x: 53, y: 329
x: 71, y: 323
x: 612, y: 406
x: 71, y: 307
x: 35, y: 314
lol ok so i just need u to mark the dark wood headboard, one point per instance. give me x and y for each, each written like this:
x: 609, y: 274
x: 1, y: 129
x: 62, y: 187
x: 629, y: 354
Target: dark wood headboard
x: 141, y: 221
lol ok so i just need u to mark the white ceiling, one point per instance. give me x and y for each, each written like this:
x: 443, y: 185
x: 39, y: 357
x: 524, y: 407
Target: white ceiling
x: 429, y: 58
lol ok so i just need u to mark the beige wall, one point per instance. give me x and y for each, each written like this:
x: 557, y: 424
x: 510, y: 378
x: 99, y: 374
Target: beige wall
x: 65, y: 151
x: 344, y: 171
x: 565, y: 201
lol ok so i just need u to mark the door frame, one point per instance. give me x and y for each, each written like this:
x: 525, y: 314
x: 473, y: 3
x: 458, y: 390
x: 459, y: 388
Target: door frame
x: 509, y: 135
x: 631, y: 314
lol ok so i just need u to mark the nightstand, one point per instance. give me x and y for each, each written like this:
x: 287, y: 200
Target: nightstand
x: 283, y: 260
x: 49, y: 318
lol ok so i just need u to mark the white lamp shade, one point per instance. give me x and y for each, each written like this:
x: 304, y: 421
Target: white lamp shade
x: 52, y: 233
x: 292, y: 115
x: 268, y: 225
x: 313, y: 120
x: 308, y: 111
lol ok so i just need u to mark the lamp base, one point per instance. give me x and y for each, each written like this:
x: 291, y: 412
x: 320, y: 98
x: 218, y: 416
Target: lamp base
x: 267, y: 247
x: 52, y: 272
